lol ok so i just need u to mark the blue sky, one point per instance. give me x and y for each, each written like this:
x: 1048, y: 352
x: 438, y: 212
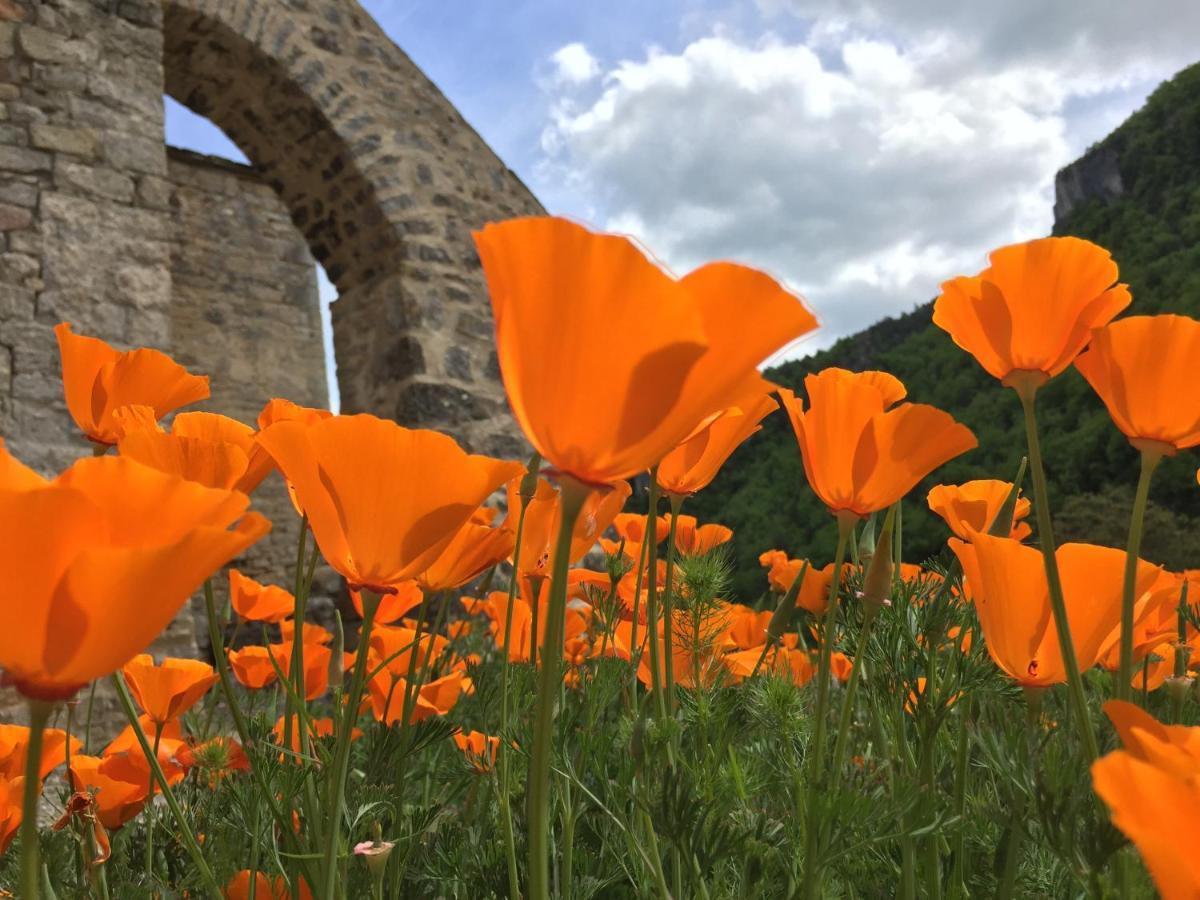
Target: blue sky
x: 862, y: 151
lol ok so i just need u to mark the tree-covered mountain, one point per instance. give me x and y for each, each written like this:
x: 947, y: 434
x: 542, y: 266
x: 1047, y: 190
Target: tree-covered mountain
x: 1137, y: 193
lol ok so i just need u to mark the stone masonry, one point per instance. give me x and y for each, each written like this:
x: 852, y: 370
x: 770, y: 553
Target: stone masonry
x: 357, y: 161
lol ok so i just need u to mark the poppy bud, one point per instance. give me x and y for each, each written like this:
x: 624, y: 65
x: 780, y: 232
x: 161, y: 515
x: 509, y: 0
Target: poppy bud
x: 637, y: 742
x: 1179, y: 686
x: 877, y: 583
x: 866, y: 540
x: 1002, y: 525
x: 529, y: 482
x: 786, y: 609
x: 337, y: 656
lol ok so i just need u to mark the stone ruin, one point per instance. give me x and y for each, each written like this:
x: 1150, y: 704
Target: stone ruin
x: 357, y: 162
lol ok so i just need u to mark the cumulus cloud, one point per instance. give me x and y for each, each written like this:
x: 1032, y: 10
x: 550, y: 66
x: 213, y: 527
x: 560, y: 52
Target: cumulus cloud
x: 574, y: 64
x: 863, y: 161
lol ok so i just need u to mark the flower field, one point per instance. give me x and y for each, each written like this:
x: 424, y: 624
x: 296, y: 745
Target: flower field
x: 542, y: 686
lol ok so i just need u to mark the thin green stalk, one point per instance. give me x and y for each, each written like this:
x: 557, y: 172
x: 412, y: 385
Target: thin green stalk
x: 39, y: 714
x: 816, y: 751
x: 150, y: 810
x: 181, y: 820
x: 870, y: 617
x: 1151, y: 456
x: 221, y: 662
x: 527, y: 490
x: 676, y: 503
x: 1182, y: 653
x: 566, y: 875
x: 573, y: 495
x: 635, y: 653
x: 656, y: 687
x: 298, y: 612
x: 1041, y: 505
x: 962, y: 759
x: 87, y: 725
x: 345, y: 735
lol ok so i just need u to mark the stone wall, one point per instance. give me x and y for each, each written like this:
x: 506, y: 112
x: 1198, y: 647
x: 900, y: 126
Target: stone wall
x: 245, y: 311
x: 85, y: 225
x: 384, y: 179
x: 357, y: 161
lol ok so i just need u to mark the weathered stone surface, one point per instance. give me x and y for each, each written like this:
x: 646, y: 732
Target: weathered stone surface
x: 78, y: 141
x: 358, y: 162
x: 14, y: 217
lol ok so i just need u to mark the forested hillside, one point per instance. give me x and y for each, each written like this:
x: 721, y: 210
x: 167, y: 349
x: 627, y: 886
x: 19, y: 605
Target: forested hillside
x: 1145, y: 208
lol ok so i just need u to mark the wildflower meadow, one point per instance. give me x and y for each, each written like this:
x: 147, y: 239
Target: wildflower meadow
x: 541, y: 685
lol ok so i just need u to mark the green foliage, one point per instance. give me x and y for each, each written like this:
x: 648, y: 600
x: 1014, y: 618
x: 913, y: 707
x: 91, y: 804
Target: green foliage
x: 1153, y: 231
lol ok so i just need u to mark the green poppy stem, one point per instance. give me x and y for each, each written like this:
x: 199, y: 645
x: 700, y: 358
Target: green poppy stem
x: 573, y: 495
x: 1027, y: 391
x: 1151, y: 456
x: 816, y: 751
x: 656, y: 680
x: 31, y: 872
x: 345, y: 738
x: 676, y: 502
x: 181, y: 820
x: 527, y: 489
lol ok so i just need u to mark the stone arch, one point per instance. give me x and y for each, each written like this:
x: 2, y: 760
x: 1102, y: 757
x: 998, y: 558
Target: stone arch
x: 385, y: 180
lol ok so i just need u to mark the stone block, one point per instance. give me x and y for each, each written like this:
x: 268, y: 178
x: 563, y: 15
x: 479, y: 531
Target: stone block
x: 94, y: 181
x: 76, y: 141
x: 14, y: 217
x: 48, y: 46
x: 23, y: 159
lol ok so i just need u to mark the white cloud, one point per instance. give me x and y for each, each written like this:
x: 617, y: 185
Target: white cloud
x: 574, y: 64
x: 864, y: 162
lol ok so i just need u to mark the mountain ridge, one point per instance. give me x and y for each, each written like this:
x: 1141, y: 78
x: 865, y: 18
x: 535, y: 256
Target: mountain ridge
x: 1137, y: 193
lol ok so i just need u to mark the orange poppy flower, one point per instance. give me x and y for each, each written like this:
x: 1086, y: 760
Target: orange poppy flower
x: 280, y: 410
x: 393, y: 647
x: 782, y: 662
x: 478, y: 748
x: 256, y: 602
x: 217, y: 758
x: 165, y: 692
x: 215, y: 450
x: 265, y: 888
x: 435, y: 698
x: 693, y: 464
x: 170, y: 738
x: 118, y: 796
x: 119, y: 549
x: 318, y: 729
x: 1008, y: 587
x: 376, y: 523
x: 1152, y: 788
x: 747, y: 627
x: 862, y: 452
x: 98, y: 379
x: 408, y: 596
x: 310, y: 633
x: 11, y: 809
x: 316, y: 665
x: 783, y: 572
x: 14, y: 749
x: 541, y: 522
x: 603, y: 409
x: 1139, y: 367
x: 696, y: 540
x: 631, y: 531
x: 969, y: 508
x: 1033, y: 309
x: 251, y: 666
x: 473, y: 550
x: 1154, y: 624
